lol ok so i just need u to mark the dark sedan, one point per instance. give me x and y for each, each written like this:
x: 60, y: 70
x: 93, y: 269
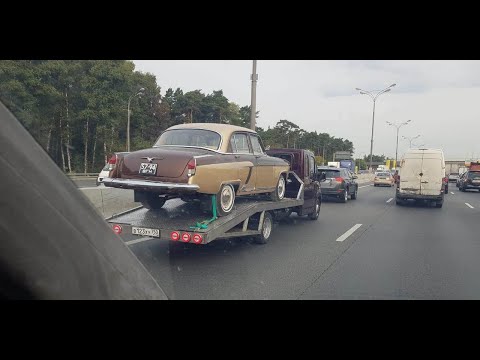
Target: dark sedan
x: 338, y: 183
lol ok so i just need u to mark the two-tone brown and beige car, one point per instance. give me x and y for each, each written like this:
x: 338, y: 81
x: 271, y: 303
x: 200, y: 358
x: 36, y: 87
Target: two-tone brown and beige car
x: 193, y: 161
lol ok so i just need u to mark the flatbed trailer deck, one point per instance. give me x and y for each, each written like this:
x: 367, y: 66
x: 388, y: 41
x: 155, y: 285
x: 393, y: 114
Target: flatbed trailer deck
x: 178, y: 220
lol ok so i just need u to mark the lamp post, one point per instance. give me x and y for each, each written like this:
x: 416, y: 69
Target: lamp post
x: 139, y: 93
x: 410, y: 139
x: 374, y: 98
x: 253, y: 104
x: 398, y: 128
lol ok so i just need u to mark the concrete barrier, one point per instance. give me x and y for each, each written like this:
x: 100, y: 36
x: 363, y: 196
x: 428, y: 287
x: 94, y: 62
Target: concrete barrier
x: 110, y: 201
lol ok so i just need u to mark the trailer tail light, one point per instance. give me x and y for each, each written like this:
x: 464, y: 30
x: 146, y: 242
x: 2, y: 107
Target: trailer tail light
x: 117, y: 229
x: 175, y: 235
x: 186, y: 237
x: 191, y: 167
x: 197, y: 239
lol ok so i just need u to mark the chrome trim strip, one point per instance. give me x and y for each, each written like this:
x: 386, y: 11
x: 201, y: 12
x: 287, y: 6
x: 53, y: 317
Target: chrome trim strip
x: 150, y: 184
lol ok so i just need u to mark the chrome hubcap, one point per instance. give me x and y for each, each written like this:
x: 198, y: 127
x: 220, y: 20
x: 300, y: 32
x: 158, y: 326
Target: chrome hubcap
x: 267, y: 228
x: 281, y: 187
x: 226, y: 198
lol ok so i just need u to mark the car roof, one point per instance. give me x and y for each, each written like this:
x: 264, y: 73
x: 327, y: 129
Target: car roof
x: 223, y: 129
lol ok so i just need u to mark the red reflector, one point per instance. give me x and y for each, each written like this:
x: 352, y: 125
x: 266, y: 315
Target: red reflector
x: 174, y: 235
x: 197, y: 239
x: 186, y: 237
x: 117, y: 229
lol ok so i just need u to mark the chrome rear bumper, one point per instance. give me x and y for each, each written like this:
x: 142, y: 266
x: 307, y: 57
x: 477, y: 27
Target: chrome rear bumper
x: 148, y: 185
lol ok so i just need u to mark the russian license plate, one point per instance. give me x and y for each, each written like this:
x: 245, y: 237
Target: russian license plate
x: 145, y: 231
x: 148, y: 169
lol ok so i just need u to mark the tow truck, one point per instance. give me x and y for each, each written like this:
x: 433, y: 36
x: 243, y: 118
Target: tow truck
x: 254, y: 216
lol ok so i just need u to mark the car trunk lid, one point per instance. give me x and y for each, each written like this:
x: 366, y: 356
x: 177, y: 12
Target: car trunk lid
x: 171, y: 161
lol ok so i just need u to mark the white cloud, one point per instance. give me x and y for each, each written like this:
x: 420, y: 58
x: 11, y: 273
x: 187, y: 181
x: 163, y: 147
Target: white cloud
x: 440, y: 97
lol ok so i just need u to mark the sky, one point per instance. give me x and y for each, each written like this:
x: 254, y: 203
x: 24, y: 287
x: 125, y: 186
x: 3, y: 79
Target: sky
x: 440, y: 97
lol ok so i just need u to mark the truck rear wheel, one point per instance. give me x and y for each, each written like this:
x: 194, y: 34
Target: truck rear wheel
x: 267, y: 227
x: 314, y: 215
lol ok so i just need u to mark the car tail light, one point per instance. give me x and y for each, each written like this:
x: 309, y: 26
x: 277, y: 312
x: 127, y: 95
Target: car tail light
x: 186, y: 237
x: 197, y: 239
x: 117, y: 229
x: 113, y: 159
x: 191, y: 167
x: 339, y: 179
x: 175, y: 235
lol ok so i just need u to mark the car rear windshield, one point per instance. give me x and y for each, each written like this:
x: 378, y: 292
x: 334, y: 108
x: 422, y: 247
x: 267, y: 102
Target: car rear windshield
x: 383, y: 174
x: 474, y: 175
x: 330, y: 173
x: 190, y: 137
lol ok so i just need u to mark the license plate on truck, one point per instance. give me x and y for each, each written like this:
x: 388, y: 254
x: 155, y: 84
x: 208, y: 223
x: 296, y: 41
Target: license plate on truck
x: 145, y: 231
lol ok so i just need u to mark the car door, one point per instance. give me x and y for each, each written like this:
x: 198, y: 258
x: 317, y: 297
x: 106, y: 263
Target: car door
x: 348, y: 180
x: 264, y: 166
x: 245, y: 160
x: 310, y: 182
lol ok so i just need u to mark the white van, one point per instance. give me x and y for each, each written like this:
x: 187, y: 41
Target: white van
x: 422, y: 176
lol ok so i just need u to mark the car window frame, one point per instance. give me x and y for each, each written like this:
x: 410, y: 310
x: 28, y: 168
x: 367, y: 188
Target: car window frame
x: 250, y: 136
x: 234, y: 147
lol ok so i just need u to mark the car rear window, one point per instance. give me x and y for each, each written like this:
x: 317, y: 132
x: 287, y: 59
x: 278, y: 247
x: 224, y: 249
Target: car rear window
x: 383, y: 174
x: 474, y: 175
x: 331, y: 173
x: 190, y: 137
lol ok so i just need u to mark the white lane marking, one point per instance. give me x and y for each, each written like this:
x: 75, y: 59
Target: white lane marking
x: 470, y: 206
x: 451, y: 192
x: 389, y: 200
x: 349, y: 232
x: 364, y: 186
x: 136, y: 241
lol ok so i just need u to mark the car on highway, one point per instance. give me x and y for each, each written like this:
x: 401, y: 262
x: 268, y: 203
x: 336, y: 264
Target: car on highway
x: 422, y: 177
x: 195, y: 161
x: 453, y: 177
x: 338, y: 183
x: 469, y: 180
x: 384, y: 179
x: 105, y: 172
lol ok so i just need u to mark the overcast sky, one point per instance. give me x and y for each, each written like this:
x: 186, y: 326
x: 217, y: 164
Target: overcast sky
x: 442, y: 98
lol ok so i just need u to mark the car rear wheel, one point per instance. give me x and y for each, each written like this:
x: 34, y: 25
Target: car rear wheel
x: 279, y: 192
x: 225, y: 200
x: 354, y: 195
x: 344, y: 197
x: 153, y: 201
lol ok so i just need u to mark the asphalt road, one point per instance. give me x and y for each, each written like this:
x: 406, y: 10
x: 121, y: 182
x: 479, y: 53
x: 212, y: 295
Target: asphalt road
x: 387, y: 252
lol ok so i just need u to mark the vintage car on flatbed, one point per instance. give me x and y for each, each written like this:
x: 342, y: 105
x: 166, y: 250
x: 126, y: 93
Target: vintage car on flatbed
x: 195, y: 161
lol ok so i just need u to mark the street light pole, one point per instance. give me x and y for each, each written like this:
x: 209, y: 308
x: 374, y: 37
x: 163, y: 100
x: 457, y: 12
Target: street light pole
x: 398, y: 128
x: 410, y: 139
x: 139, y: 93
x: 253, y: 104
x: 374, y: 98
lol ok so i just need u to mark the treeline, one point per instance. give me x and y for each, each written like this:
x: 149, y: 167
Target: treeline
x: 77, y: 110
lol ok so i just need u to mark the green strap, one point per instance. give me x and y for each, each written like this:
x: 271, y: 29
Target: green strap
x: 204, y: 224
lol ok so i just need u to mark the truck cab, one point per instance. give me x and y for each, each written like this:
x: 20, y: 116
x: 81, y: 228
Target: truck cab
x: 302, y: 163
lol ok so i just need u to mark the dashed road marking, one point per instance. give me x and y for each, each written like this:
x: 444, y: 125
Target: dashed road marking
x: 389, y: 200
x: 470, y: 206
x: 349, y: 232
x: 364, y: 186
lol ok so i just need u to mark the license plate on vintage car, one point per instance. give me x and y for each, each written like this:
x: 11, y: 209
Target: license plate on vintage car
x: 148, y: 169
x: 145, y: 231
